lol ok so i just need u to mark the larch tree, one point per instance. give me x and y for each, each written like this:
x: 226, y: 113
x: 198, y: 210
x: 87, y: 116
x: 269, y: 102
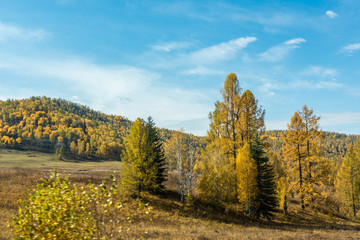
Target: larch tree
x: 348, y: 178
x: 294, y: 153
x: 303, y: 154
x: 139, y: 171
x: 230, y: 115
x: 234, y: 123
x: 246, y: 171
x: 313, y: 134
x: 251, y: 117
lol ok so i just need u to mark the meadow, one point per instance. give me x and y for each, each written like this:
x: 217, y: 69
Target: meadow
x: 21, y: 170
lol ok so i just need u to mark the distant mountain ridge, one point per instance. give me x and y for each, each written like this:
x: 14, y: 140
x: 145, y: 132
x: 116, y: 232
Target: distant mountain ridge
x: 53, y: 125
x: 334, y: 144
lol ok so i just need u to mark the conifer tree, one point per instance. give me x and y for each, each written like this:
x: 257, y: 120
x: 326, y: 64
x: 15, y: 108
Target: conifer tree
x: 230, y: 114
x: 235, y: 122
x: 266, y: 198
x: 348, y: 178
x: 303, y: 153
x: 159, y: 155
x: 294, y: 154
x: 251, y: 117
x: 313, y: 135
x: 139, y: 171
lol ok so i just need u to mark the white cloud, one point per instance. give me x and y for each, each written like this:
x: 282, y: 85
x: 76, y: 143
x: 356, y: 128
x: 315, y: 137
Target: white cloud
x: 8, y: 31
x: 222, y: 51
x: 117, y: 89
x: 279, y: 52
x: 167, y: 47
x: 331, y: 14
x: 203, y: 71
x: 268, y: 86
x: 322, y: 84
x: 294, y: 41
x: 319, y: 71
x: 331, y: 119
x: 351, y: 48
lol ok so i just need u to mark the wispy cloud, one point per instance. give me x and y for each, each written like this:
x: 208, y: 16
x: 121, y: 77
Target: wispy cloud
x: 279, y: 52
x: 322, y: 84
x: 203, y: 71
x: 311, y: 78
x: 8, y: 31
x: 118, y: 89
x: 220, y: 10
x: 222, y: 51
x: 351, y: 48
x: 319, y: 71
x: 330, y: 119
x: 169, y: 46
x: 202, y: 61
x: 331, y: 14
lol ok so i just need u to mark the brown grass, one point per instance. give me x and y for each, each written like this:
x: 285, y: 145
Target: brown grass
x: 171, y: 219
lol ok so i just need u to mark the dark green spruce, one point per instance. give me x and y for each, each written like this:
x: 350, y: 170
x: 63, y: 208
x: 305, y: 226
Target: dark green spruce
x: 267, y: 201
x: 159, y: 155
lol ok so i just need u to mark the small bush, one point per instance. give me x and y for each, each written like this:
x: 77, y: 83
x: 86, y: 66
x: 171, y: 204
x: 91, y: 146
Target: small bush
x: 56, y: 210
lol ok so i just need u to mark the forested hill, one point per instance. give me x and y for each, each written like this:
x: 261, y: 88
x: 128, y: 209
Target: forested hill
x: 334, y: 144
x: 50, y: 125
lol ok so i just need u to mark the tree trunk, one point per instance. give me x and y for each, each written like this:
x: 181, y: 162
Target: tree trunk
x: 300, y: 176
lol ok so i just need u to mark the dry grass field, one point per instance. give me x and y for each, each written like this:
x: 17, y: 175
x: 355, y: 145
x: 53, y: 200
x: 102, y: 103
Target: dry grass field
x: 20, y: 171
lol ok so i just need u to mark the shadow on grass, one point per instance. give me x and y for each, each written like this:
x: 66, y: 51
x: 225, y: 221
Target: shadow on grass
x: 169, y: 201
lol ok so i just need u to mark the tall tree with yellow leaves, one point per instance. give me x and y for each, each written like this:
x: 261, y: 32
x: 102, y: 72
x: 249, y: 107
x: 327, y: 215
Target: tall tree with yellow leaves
x: 138, y: 172
x: 230, y: 109
x: 348, y: 178
x: 246, y: 171
x: 294, y: 153
x: 303, y: 153
x: 251, y: 118
x: 235, y: 122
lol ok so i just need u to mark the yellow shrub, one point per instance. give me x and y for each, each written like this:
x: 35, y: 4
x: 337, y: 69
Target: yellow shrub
x: 56, y: 210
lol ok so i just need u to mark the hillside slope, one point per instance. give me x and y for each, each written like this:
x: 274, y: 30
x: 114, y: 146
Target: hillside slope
x: 56, y: 125
x: 334, y: 144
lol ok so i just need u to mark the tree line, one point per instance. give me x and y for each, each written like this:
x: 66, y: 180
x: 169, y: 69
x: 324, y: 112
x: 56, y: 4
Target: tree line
x: 237, y: 164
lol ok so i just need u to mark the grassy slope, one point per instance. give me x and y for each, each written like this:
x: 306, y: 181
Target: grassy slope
x: 171, y: 220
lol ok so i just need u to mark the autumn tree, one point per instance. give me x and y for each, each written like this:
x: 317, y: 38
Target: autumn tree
x: 139, y: 170
x: 348, y: 178
x: 246, y: 171
x: 216, y: 183
x: 182, y: 151
x: 229, y: 113
x: 304, y: 155
x: 251, y: 117
x: 293, y: 152
x: 234, y: 123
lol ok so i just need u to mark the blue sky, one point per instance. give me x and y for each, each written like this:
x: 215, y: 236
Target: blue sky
x: 169, y: 59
